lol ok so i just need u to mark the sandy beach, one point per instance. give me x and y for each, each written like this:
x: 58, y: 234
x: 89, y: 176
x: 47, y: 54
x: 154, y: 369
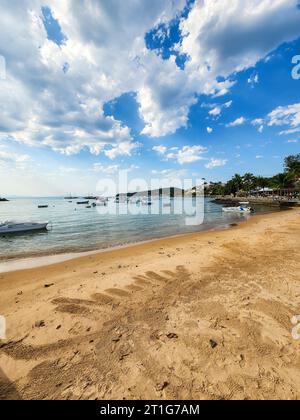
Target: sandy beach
x: 202, y: 316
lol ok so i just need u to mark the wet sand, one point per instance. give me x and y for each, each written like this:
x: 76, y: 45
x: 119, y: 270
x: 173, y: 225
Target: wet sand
x: 202, y: 316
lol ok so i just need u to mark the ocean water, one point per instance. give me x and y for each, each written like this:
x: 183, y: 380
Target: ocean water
x: 76, y: 228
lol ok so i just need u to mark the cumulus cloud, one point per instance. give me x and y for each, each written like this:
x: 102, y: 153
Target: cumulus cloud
x: 121, y: 149
x: 54, y: 94
x: 209, y: 130
x: 188, y: 154
x: 223, y: 37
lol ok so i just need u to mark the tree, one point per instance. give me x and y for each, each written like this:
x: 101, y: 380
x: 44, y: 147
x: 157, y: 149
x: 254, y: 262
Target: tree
x: 262, y: 182
x: 292, y: 165
x: 249, y: 182
x: 238, y: 182
x: 282, y: 181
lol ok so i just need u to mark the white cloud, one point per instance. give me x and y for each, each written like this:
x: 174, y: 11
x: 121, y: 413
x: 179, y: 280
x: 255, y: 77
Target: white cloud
x: 161, y: 150
x: 253, y: 79
x: 259, y: 123
x: 260, y: 129
x: 209, y: 130
x: 259, y: 157
x: 215, y: 112
x: 281, y: 116
x: 228, y: 104
x: 64, y: 110
x: 188, y: 154
x: 42, y: 105
x: 121, y: 149
x: 223, y: 37
x: 289, y: 115
x: 216, y: 163
x: 109, y: 170
x: 237, y: 122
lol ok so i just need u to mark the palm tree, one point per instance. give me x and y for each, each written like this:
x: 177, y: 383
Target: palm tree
x: 262, y: 182
x: 283, y: 181
x: 249, y: 182
x: 238, y: 182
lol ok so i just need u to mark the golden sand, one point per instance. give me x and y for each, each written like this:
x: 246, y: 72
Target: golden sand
x: 202, y: 316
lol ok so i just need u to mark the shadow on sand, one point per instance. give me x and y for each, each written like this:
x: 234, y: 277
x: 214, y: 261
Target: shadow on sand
x: 8, y: 390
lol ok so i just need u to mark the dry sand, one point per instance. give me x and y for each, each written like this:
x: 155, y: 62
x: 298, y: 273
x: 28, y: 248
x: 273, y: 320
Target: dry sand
x: 204, y: 316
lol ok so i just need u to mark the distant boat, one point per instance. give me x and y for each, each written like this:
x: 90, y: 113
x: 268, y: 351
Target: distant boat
x: 70, y: 197
x: 82, y: 202
x: 17, y: 227
x: 43, y: 206
x: 101, y: 201
x: 147, y: 202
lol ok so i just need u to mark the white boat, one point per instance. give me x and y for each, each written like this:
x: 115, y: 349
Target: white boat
x: 17, y: 227
x: 242, y: 208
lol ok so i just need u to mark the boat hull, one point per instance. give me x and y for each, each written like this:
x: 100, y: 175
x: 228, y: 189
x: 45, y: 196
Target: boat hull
x: 27, y: 227
x: 236, y: 210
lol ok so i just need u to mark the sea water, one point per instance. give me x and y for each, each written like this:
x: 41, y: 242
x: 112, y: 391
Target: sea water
x: 76, y: 228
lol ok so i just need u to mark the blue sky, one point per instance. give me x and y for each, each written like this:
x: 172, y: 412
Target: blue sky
x: 167, y: 89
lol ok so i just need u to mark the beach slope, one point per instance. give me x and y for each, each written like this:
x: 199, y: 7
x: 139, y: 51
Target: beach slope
x: 203, y: 316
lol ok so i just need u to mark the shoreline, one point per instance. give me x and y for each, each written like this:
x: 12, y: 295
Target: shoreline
x: 38, y: 261
x: 154, y: 310
x: 12, y: 264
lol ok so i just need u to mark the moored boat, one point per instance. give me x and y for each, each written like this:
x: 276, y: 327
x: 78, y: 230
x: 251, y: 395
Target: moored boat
x: 242, y: 208
x: 17, y: 227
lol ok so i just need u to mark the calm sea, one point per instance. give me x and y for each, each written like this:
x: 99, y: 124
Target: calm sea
x: 77, y: 229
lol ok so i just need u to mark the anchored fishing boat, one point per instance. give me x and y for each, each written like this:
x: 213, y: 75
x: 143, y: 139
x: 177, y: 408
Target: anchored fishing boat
x: 17, y: 227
